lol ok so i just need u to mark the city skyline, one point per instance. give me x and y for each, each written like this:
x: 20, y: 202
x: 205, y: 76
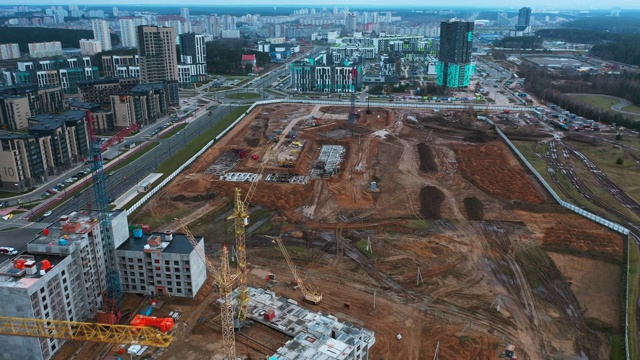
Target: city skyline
x: 546, y: 4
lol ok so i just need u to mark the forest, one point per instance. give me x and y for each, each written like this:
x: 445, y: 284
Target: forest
x: 69, y: 38
x: 224, y: 58
x: 521, y: 42
x: 554, y: 86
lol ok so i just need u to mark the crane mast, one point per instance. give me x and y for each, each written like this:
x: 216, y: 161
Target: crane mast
x: 240, y: 217
x: 112, y: 293
x: 224, y: 280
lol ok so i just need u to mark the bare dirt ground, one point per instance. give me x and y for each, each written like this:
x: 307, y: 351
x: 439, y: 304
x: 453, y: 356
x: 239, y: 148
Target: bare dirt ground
x: 438, y: 276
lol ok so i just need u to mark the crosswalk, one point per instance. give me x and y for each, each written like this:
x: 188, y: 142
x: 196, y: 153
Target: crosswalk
x: 38, y: 225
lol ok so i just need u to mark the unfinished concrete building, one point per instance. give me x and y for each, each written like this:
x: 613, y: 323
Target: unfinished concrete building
x: 316, y: 336
x: 61, y: 277
x: 161, y: 264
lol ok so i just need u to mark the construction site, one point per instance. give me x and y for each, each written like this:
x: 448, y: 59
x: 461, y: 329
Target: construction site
x: 414, y: 233
x: 328, y: 232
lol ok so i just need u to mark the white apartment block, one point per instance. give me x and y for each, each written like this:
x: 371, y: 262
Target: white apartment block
x: 90, y: 46
x: 101, y: 33
x: 61, y: 277
x: 9, y: 51
x: 128, y: 35
x: 161, y: 264
x: 45, y: 49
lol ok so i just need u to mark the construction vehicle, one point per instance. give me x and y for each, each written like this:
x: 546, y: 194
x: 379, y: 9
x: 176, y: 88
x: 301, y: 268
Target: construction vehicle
x: 84, y: 331
x: 224, y: 281
x: 309, y: 294
x: 163, y: 324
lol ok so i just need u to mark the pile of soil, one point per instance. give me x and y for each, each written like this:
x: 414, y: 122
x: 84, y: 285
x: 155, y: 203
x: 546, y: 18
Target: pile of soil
x: 427, y: 160
x: 474, y: 208
x: 479, y: 137
x: 199, y: 197
x: 430, y: 200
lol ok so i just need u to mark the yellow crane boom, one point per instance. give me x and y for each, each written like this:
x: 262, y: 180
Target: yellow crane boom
x: 84, y: 331
x: 240, y: 217
x: 224, y: 280
x: 309, y: 294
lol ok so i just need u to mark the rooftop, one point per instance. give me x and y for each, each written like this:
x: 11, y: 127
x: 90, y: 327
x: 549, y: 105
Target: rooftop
x: 147, y: 87
x: 316, y: 336
x: 84, y: 105
x: 48, y: 121
x: 179, y: 244
x: 25, y: 270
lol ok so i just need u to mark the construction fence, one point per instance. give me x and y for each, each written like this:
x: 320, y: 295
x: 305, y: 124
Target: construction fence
x: 600, y: 220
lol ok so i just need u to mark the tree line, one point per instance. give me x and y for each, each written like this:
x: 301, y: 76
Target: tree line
x: 225, y: 57
x: 70, y: 38
x: 553, y: 87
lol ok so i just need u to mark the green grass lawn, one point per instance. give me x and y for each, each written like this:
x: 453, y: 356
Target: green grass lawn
x: 599, y: 101
x: 173, y: 131
x: 243, y: 96
x: 181, y: 156
x: 632, y: 108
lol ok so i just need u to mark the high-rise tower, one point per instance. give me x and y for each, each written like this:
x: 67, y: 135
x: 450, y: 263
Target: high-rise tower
x: 101, y: 33
x: 454, y: 65
x: 524, y: 19
x: 157, y: 50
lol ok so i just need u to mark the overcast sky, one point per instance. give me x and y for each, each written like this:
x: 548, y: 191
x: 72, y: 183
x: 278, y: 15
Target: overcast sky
x: 575, y: 4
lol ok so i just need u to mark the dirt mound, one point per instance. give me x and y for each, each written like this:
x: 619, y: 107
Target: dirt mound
x: 474, y: 208
x: 193, y: 185
x: 491, y: 168
x: 589, y: 242
x: 199, y: 197
x: 427, y: 160
x: 479, y: 137
x: 430, y: 200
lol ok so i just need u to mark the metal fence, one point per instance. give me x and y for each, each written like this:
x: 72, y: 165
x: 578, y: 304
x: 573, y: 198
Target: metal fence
x: 600, y: 220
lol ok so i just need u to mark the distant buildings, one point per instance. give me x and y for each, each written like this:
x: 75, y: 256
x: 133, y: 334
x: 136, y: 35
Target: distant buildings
x: 524, y: 20
x: 454, y: 68
x: 316, y: 74
x: 45, y: 49
x: 121, y: 66
x: 9, y: 51
x: 90, y: 46
x: 128, y: 33
x: 157, y: 50
x: 63, y: 72
x: 101, y: 33
x: 19, y: 102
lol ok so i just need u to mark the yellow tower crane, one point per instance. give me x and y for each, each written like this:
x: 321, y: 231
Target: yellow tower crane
x: 310, y: 295
x: 84, y: 331
x: 240, y: 216
x: 224, y: 280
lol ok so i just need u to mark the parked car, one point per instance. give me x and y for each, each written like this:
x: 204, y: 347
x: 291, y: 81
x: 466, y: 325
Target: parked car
x: 8, y: 251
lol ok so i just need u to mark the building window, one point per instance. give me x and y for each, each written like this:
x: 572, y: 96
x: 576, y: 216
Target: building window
x: 166, y: 262
x: 156, y: 261
x: 143, y: 288
x: 159, y: 282
x: 170, y: 290
x: 176, y: 263
x: 176, y: 270
x: 169, y: 283
x: 167, y: 269
x: 179, y: 291
x: 157, y: 268
x: 177, y: 277
x: 158, y: 275
x: 139, y: 261
x: 178, y: 283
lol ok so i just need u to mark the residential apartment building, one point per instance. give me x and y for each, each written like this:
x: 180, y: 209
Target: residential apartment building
x: 102, y: 119
x: 161, y: 264
x: 9, y: 51
x: 128, y: 33
x: 99, y: 91
x: 60, y: 277
x: 156, y: 47
x: 121, y: 66
x: 45, y: 49
x: 90, y: 46
x: 41, y: 100
x: 454, y: 68
x: 101, y: 33
x: 316, y: 75
x: 63, y: 72
x: 143, y: 104
x: 64, y: 139
x: 193, y: 58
